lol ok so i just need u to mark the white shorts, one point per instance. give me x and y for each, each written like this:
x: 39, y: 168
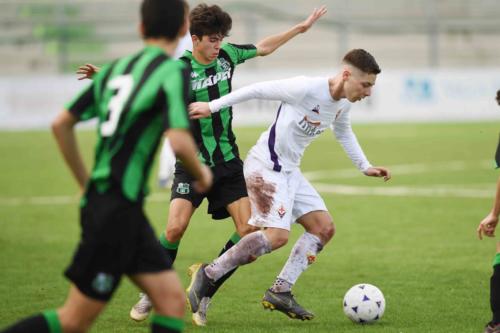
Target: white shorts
x: 278, y: 199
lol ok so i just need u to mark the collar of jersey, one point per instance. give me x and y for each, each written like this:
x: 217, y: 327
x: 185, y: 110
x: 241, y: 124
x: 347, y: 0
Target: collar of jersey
x: 156, y: 49
x: 189, y: 55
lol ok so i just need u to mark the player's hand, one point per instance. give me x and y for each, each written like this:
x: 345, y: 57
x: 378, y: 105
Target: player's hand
x: 378, y: 172
x: 205, y: 183
x: 316, y: 14
x: 487, y: 226
x: 199, y: 110
x: 87, y: 71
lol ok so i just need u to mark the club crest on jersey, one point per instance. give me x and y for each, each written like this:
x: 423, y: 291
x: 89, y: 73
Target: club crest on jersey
x: 315, y: 109
x: 310, y: 127
x: 281, y: 211
x: 183, y: 188
x: 224, y: 64
x: 194, y: 75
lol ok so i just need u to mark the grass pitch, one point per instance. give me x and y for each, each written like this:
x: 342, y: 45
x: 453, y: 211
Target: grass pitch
x: 413, y: 237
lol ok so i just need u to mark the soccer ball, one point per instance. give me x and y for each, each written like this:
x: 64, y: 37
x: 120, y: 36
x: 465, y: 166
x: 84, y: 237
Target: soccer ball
x: 364, y: 303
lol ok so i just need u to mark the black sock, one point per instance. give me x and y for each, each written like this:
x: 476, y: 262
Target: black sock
x: 230, y: 243
x: 169, y: 248
x: 36, y: 323
x: 160, y: 329
x: 495, y: 294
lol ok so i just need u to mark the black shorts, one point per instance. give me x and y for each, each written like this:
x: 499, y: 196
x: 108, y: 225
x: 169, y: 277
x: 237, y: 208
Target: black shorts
x: 228, y: 186
x: 116, y: 239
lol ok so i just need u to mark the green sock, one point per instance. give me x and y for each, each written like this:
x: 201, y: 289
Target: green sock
x: 166, y: 324
x: 169, y: 248
x: 235, y: 238
x: 53, y: 321
x: 496, y: 260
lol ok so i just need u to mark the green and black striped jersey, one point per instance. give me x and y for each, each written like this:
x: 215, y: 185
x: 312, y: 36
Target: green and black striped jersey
x: 497, y: 156
x: 214, y: 135
x: 135, y: 99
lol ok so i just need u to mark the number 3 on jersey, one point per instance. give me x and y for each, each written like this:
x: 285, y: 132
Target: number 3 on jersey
x: 123, y: 84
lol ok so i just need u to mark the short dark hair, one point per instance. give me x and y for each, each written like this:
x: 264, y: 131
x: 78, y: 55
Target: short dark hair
x: 498, y: 97
x: 163, y: 18
x: 207, y: 20
x: 362, y: 60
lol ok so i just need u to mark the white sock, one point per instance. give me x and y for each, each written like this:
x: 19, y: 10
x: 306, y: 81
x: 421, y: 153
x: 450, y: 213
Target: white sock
x: 303, y: 254
x: 245, y: 251
x: 281, y: 286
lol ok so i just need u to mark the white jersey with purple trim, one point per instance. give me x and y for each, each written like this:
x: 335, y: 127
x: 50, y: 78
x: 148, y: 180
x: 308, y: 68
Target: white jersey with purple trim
x: 306, y: 110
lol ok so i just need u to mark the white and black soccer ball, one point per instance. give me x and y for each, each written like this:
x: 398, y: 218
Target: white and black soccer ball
x: 364, y: 303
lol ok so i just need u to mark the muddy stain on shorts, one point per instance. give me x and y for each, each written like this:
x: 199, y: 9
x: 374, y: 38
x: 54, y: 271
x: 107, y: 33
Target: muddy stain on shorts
x: 261, y: 193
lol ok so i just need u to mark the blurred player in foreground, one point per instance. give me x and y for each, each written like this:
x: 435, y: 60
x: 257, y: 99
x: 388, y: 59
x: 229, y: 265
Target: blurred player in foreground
x: 137, y: 99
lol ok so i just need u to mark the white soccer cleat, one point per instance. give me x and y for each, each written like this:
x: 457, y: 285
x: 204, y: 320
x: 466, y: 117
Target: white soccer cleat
x: 200, y: 317
x: 140, y: 311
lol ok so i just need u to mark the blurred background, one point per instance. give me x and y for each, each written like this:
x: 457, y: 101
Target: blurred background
x: 440, y: 59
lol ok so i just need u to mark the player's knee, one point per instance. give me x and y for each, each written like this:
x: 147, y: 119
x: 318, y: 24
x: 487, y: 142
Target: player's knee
x: 245, y: 229
x: 328, y: 231
x: 325, y: 230
x: 175, y: 231
x: 279, y: 241
x: 73, y: 324
x: 172, y: 303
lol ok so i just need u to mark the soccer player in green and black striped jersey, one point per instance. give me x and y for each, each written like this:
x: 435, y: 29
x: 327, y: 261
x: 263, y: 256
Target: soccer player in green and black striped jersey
x: 487, y: 228
x: 136, y: 99
x: 213, y: 63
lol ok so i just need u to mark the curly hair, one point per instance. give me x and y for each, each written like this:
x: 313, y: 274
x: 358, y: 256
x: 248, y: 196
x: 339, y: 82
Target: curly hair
x: 207, y: 20
x: 362, y: 60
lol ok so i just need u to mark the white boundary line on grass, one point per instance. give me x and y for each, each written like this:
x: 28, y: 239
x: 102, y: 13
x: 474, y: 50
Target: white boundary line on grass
x: 400, y: 191
x: 433, y: 191
x: 403, y: 191
x: 64, y: 200
x: 402, y: 169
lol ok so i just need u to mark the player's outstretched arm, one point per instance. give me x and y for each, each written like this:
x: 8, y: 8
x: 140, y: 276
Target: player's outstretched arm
x: 489, y: 223
x: 288, y: 90
x: 63, y: 130
x: 378, y: 172
x: 184, y: 148
x: 87, y: 71
x: 269, y: 44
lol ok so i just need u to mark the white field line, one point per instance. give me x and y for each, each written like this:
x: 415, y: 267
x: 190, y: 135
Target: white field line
x: 402, y: 169
x: 64, y: 200
x: 402, y: 191
x: 432, y: 191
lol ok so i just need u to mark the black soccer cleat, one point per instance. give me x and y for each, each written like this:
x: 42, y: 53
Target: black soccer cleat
x: 284, y: 302
x: 200, y: 283
x: 492, y: 328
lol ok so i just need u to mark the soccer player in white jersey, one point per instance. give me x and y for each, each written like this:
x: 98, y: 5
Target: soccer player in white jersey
x: 279, y: 193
